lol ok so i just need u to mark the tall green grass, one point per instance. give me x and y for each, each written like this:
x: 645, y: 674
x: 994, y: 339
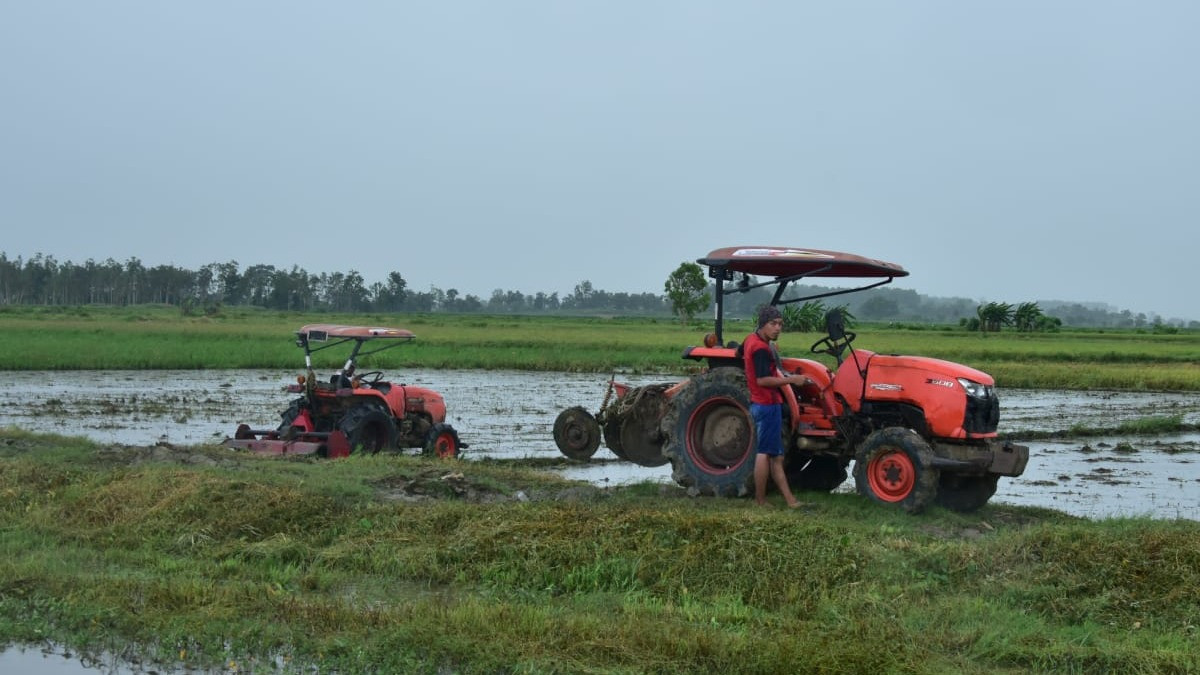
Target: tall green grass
x: 219, y: 558
x: 160, y: 338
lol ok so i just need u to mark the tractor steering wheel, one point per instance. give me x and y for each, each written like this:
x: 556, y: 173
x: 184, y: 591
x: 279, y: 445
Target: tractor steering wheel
x: 370, y: 377
x: 828, y: 345
x: 825, y: 345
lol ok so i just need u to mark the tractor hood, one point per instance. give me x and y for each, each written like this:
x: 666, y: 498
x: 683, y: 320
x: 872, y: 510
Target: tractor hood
x: 955, y: 401
x: 949, y: 369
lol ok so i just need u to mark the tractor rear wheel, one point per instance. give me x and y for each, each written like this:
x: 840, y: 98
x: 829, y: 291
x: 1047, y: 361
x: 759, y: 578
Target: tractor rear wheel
x: 442, y: 441
x: 895, y: 466
x: 576, y: 433
x: 966, y: 493
x: 710, y: 439
x: 289, y: 416
x: 368, y: 429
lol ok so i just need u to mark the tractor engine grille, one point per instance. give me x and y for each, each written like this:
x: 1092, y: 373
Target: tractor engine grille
x: 983, y: 414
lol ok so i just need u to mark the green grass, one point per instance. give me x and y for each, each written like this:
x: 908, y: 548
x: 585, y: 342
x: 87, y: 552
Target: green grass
x: 212, y: 557
x: 160, y: 338
x: 1154, y: 424
x: 1150, y: 425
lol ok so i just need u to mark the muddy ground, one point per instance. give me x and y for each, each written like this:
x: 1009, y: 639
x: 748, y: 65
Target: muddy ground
x: 509, y: 415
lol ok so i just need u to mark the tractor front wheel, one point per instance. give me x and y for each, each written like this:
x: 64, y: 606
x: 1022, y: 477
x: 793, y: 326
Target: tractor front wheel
x: 368, y: 429
x: 895, y: 466
x: 576, y: 433
x: 442, y: 441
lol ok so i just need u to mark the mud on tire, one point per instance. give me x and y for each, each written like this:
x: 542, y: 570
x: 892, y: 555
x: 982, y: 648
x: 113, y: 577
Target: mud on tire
x: 710, y: 439
x: 895, y: 466
x: 612, y: 439
x: 576, y: 433
x: 368, y: 429
x: 288, y: 417
x: 442, y: 441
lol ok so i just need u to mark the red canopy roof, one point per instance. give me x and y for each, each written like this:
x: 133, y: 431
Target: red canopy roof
x: 780, y: 261
x: 333, y: 330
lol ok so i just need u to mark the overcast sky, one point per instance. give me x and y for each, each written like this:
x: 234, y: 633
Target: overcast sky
x: 1007, y: 151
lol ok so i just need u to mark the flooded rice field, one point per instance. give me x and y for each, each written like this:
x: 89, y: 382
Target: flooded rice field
x: 510, y: 414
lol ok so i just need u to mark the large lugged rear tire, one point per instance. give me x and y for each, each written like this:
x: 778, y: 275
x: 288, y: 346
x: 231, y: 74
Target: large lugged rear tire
x: 368, y: 429
x: 966, y: 493
x: 710, y: 439
x: 895, y: 466
x: 288, y: 417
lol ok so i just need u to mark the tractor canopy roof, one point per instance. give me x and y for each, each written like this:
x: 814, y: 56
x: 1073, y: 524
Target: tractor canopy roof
x: 316, y: 337
x: 784, y: 265
x: 320, y: 332
x: 780, y: 261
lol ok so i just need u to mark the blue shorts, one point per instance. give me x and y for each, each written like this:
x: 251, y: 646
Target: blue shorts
x: 768, y: 424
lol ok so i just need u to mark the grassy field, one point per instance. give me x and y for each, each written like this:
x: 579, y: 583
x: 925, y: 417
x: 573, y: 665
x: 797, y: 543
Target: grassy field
x: 398, y: 564
x: 160, y: 338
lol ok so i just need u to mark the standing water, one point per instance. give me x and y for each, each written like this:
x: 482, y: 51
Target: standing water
x: 510, y: 414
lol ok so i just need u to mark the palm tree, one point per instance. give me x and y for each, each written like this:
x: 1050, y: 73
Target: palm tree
x: 1027, y: 316
x: 993, y: 315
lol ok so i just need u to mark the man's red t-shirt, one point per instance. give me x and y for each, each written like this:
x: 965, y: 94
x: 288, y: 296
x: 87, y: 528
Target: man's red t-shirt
x: 760, y: 362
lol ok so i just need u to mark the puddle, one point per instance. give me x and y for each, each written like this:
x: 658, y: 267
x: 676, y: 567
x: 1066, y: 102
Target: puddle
x: 1051, y: 410
x: 35, y: 661
x: 1156, y: 476
x: 58, y: 660
x: 510, y: 414
x: 54, y: 659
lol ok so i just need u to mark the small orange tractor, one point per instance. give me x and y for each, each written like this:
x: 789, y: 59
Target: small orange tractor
x: 353, y: 411
x: 919, y: 430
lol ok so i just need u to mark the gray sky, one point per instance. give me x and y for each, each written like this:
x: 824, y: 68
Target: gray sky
x: 1008, y: 151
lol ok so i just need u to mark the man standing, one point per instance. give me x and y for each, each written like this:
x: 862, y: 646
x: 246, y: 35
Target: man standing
x: 766, y: 403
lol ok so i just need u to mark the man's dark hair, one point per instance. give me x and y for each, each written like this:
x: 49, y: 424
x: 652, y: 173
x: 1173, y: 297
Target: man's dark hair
x: 767, y: 314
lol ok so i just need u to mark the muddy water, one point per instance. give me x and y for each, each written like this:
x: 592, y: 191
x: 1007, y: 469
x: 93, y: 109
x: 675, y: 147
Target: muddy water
x: 510, y: 414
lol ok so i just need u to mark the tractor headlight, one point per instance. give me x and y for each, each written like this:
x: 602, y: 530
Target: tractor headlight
x: 975, y: 389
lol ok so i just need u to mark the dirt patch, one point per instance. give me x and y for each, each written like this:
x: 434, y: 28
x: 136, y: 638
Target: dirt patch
x: 437, y: 483
x: 982, y: 529
x: 449, y: 482
x: 166, y: 452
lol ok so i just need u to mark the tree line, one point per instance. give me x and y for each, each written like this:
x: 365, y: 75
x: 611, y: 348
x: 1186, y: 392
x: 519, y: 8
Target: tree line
x: 44, y: 280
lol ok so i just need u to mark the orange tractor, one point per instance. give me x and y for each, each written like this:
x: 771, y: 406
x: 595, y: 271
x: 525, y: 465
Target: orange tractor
x: 919, y: 430
x: 353, y: 411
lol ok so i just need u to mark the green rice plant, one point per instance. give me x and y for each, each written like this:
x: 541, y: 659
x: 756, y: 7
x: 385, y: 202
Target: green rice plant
x: 1155, y: 424
x: 110, y: 338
